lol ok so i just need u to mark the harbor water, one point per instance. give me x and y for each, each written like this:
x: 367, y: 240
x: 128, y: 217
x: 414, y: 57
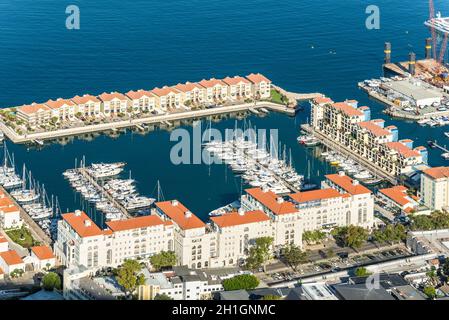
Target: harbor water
x: 302, y: 46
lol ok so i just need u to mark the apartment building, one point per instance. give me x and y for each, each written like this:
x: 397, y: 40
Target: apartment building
x: 191, y: 93
x: 62, y: 109
x: 142, y: 100
x: 434, y: 191
x: 113, y: 103
x: 194, y: 243
x: 35, y: 114
x: 398, y: 196
x: 87, y: 105
x: 284, y: 216
x: 11, y: 261
x: 215, y: 90
x: 358, y: 209
x: 167, y: 98
x: 237, y: 231
x: 9, y: 213
x: 82, y: 243
x: 352, y: 127
x: 261, y: 85
x: 239, y: 88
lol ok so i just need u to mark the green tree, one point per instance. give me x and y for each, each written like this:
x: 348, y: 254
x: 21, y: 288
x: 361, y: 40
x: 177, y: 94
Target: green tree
x: 163, y: 259
x: 260, y: 253
x: 270, y: 297
x: 390, y: 233
x: 294, y: 256
x: 51, y: 281
x: 128, y: 275
x: 243, y: 281
x: 361, y: 272
x: 433, y: 276
x: 162, y: 296
x: 350, y: 236
x: 430, y: 292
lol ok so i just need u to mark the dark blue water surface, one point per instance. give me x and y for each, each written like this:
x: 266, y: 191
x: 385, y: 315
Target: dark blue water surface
x: 303, y: 46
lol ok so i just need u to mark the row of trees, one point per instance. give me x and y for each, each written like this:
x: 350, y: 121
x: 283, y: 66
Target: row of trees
x: 391, y: 233
x: 436, y: 220
x: 313, y: 236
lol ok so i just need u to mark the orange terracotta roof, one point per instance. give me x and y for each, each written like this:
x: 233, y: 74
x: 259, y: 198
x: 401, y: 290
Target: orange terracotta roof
x: 85, y: 99
x: 160, y: 92
x: 364, y: 108
x: 391, y: 127
x: 406, y: 140
x: 135, y: 223
x: 235, y: 80
x: 397, y: 193
x: 3, y: 239
x: 5, y: 202
x: 138, y: 94
x: 11, y: 257
x: 374, y: 128
x: 314, y: 195
x: 346, y: 183
x: 420, y: 148
x: 82, y: 224
x: 180, y: 215
x: 270, y: 200
x: 437, y: 172
x: 43, y: 252
x: 58, y: 103
x: 10, y: 209
x: 113, y: 95
x: 32, y: 108
x: 211, y: 83
x: 322, y: 100
x: 257, y: 77
x: 347, y: 109
x: 188, y: 86
x: 235, y: 218
x: 402, y: 149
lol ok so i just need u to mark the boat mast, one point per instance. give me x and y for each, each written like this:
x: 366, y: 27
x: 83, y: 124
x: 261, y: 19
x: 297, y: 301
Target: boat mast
x: 23, y: 177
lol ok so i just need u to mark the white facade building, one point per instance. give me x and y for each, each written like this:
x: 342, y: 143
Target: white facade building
x: 434, y: 191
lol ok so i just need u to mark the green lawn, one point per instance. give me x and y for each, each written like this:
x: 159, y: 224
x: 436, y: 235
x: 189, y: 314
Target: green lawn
x: 22, y: 237
x: 276, y: 97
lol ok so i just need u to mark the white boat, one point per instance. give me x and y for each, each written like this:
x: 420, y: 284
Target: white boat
x: 423, y: 121
x: 445, y: 155
x: 446, y: 134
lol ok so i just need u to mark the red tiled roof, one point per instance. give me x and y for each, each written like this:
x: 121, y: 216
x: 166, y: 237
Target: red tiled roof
x: 56, y: 104
x: 3, y: 239
x: 82, y: 224
x: 235, y: 218
x: 346, y: 183
x: 347, y: 109
x: 160, y: 92
x: 437, y: 172
x: 322, y: 100
x: 270, y: 200
x: 113, y: 95
x: 313, y: 195
x: 402, y: 149
x: 85, y: 99
x: 43, y: 252
x: 180, y: 215
x: 211, y: 83
x: 397, y: 193
x: 374, y: 128
x: 188, y: 86
x: 32, y: 108
x: 11, y: 257
x: 135, y: 223
x: 134, y: 95
x: 257, y: 78
x: 235, y: 80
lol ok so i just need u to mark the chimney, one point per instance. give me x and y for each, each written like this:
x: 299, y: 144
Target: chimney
x: 78, y: 213
x: 411, y: 63
x: 241, y: 211
x: 280, y: 200
x: 341, y: 173
x: 87, y: 223
x: 428, y: 50
x: 174, y: 203
x: 387, y: 52
x: 188, y: 214
x: 355, y: 182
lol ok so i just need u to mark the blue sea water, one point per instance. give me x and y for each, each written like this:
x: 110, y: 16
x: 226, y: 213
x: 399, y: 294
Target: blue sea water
x: 303, y: 46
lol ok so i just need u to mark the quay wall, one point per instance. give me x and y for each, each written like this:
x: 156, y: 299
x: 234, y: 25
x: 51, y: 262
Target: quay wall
x: 16, y: 138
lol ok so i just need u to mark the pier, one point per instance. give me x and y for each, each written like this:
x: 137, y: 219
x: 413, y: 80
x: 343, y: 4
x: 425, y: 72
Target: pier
x: 374, y: 169
x: 167, y: 119
x: 103, y: 192
x: 36, y: 231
